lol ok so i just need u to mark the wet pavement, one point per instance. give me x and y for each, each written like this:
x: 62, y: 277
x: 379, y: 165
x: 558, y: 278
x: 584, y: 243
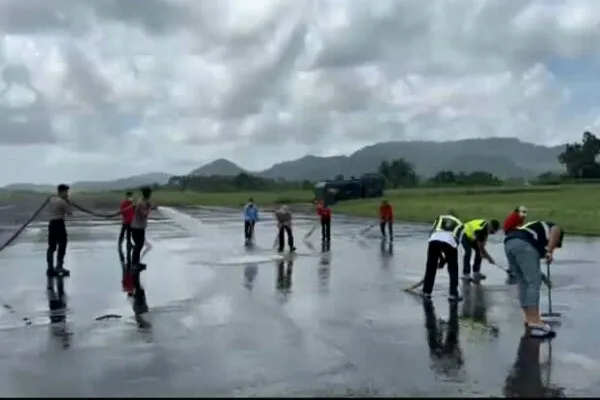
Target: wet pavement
x: 229, y: 321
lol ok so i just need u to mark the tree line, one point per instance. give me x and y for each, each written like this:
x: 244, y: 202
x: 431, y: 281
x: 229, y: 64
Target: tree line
x: 578, y: 159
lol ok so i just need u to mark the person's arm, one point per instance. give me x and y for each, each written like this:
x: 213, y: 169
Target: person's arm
x: 481, y: 237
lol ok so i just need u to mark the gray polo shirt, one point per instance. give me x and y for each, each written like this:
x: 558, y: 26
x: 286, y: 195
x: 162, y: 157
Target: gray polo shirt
x: 140, y: 216
x: 58, y: 208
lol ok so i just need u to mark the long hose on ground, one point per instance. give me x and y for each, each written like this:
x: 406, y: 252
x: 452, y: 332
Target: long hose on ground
x: 33, y: 217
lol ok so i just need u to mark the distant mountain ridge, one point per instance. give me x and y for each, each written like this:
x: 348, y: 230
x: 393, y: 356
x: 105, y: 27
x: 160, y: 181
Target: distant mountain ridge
x: 503, y: 157
x: 118, y: 184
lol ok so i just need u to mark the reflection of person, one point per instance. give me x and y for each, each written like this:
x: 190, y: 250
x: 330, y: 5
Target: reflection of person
x: 284, y: 275
x: 59, y: 208
x: 444, y: 350
x: 525, y: 377
x: 475, y: 305
x: 57, y: 308
x: 250, y: 272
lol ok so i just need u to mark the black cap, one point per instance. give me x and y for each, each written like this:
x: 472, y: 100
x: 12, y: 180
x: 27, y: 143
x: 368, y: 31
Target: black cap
x: 146, y: 191
x: 62, y: 188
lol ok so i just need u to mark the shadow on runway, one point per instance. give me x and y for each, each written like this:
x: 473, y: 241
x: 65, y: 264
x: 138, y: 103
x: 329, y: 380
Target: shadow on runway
x: 57, y: 310
x: 525, y: 377
x: 442, y: 338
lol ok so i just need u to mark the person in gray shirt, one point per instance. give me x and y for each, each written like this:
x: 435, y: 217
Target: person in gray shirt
x: 284, y: 224
x: 59, y: 207
x: 138, y: 227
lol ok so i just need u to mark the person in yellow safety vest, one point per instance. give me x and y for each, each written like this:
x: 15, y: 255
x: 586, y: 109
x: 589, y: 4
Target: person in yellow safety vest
x: 473, y: 237
x: 442, y: 249
x: 525, y: 247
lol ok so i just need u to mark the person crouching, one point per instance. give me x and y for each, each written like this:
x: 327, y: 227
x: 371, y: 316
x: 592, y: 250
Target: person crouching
x: 284, y: 225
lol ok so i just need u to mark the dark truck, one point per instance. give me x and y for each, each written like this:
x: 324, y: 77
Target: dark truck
x: 367, y: 186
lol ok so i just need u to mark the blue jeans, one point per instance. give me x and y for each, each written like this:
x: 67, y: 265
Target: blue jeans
x: 524, y: 260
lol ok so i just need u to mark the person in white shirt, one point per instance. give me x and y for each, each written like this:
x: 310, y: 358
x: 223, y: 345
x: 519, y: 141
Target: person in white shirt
x: 442, y: 250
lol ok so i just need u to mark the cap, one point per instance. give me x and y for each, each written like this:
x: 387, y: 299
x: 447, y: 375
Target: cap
x: 62, y: 187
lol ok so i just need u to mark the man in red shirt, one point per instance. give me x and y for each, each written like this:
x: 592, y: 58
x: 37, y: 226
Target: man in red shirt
x: 512, y: 222
x: 386, y: 217
x: 127, y: 212
x: 324, y: 213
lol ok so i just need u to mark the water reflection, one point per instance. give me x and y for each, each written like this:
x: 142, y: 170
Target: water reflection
x: 57, y: 310
x: 324, y: 269
x: 387, y: 251
x: 283, y: 283
x: 525, y: 377
x: 442, y: 339
x: 250, y: 272
x: 132, y: 285
x: 475, y: 303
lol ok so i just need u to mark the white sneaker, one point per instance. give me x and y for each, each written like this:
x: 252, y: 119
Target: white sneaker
x: 543, y: 331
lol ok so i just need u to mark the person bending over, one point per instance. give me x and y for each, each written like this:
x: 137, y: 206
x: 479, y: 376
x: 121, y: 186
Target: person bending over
x: 250, y: 219
x: 525, y: 247
x: 59, y: 207
x: 513, y: 221
x: 442, y: 250
x: 138, y: 227
x: 284, y: 225
x: 474, y: 235
x: 324, y: 213
x: 386, y: 217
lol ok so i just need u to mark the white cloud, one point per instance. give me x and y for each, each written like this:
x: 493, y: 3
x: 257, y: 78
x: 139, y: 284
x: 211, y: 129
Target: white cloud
x: 105, y: 89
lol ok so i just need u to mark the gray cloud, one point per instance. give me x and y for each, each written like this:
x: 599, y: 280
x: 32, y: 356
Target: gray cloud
x: 111, y: 80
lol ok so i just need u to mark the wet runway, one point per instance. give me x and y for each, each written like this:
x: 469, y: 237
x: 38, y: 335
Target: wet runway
x: 231, y: 322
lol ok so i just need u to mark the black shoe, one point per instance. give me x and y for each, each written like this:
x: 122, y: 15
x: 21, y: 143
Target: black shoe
x: 50, y: 273
x: 292, y: 249
x: 139, y: 267
x: 62, y: 272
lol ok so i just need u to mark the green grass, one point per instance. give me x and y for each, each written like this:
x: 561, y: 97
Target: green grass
x: 575, y: 207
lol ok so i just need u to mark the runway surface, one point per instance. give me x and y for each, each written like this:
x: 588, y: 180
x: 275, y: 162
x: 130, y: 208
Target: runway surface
x: 229, y: 321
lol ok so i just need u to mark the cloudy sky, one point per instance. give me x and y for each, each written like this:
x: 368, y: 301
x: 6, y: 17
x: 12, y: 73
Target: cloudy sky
x: 104, y: 89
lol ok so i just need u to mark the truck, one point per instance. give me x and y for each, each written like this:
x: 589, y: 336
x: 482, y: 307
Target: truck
x: 332, y: 191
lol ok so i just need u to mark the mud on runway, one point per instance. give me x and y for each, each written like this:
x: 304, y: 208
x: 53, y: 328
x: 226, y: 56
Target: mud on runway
x: 232, y: 322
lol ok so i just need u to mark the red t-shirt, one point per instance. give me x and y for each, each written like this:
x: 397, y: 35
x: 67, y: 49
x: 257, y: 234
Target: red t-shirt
x: 513, y: 221
x: 127, y: 211
x: 323, y: 211
x: 386, y: 213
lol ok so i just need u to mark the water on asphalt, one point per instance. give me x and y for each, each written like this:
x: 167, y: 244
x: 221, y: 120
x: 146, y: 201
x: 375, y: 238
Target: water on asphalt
x: 231, y: 321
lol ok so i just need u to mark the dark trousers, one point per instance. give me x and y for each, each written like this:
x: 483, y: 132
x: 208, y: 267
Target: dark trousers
x: 470, y: 247
x: 126, y: 233
x: 326, y: 229
x: 284, y: 229
x: 249, y: 229
x: 438, y: 254
x: 57, y: 242
x: 139, y: 237
x: 382, y: 225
